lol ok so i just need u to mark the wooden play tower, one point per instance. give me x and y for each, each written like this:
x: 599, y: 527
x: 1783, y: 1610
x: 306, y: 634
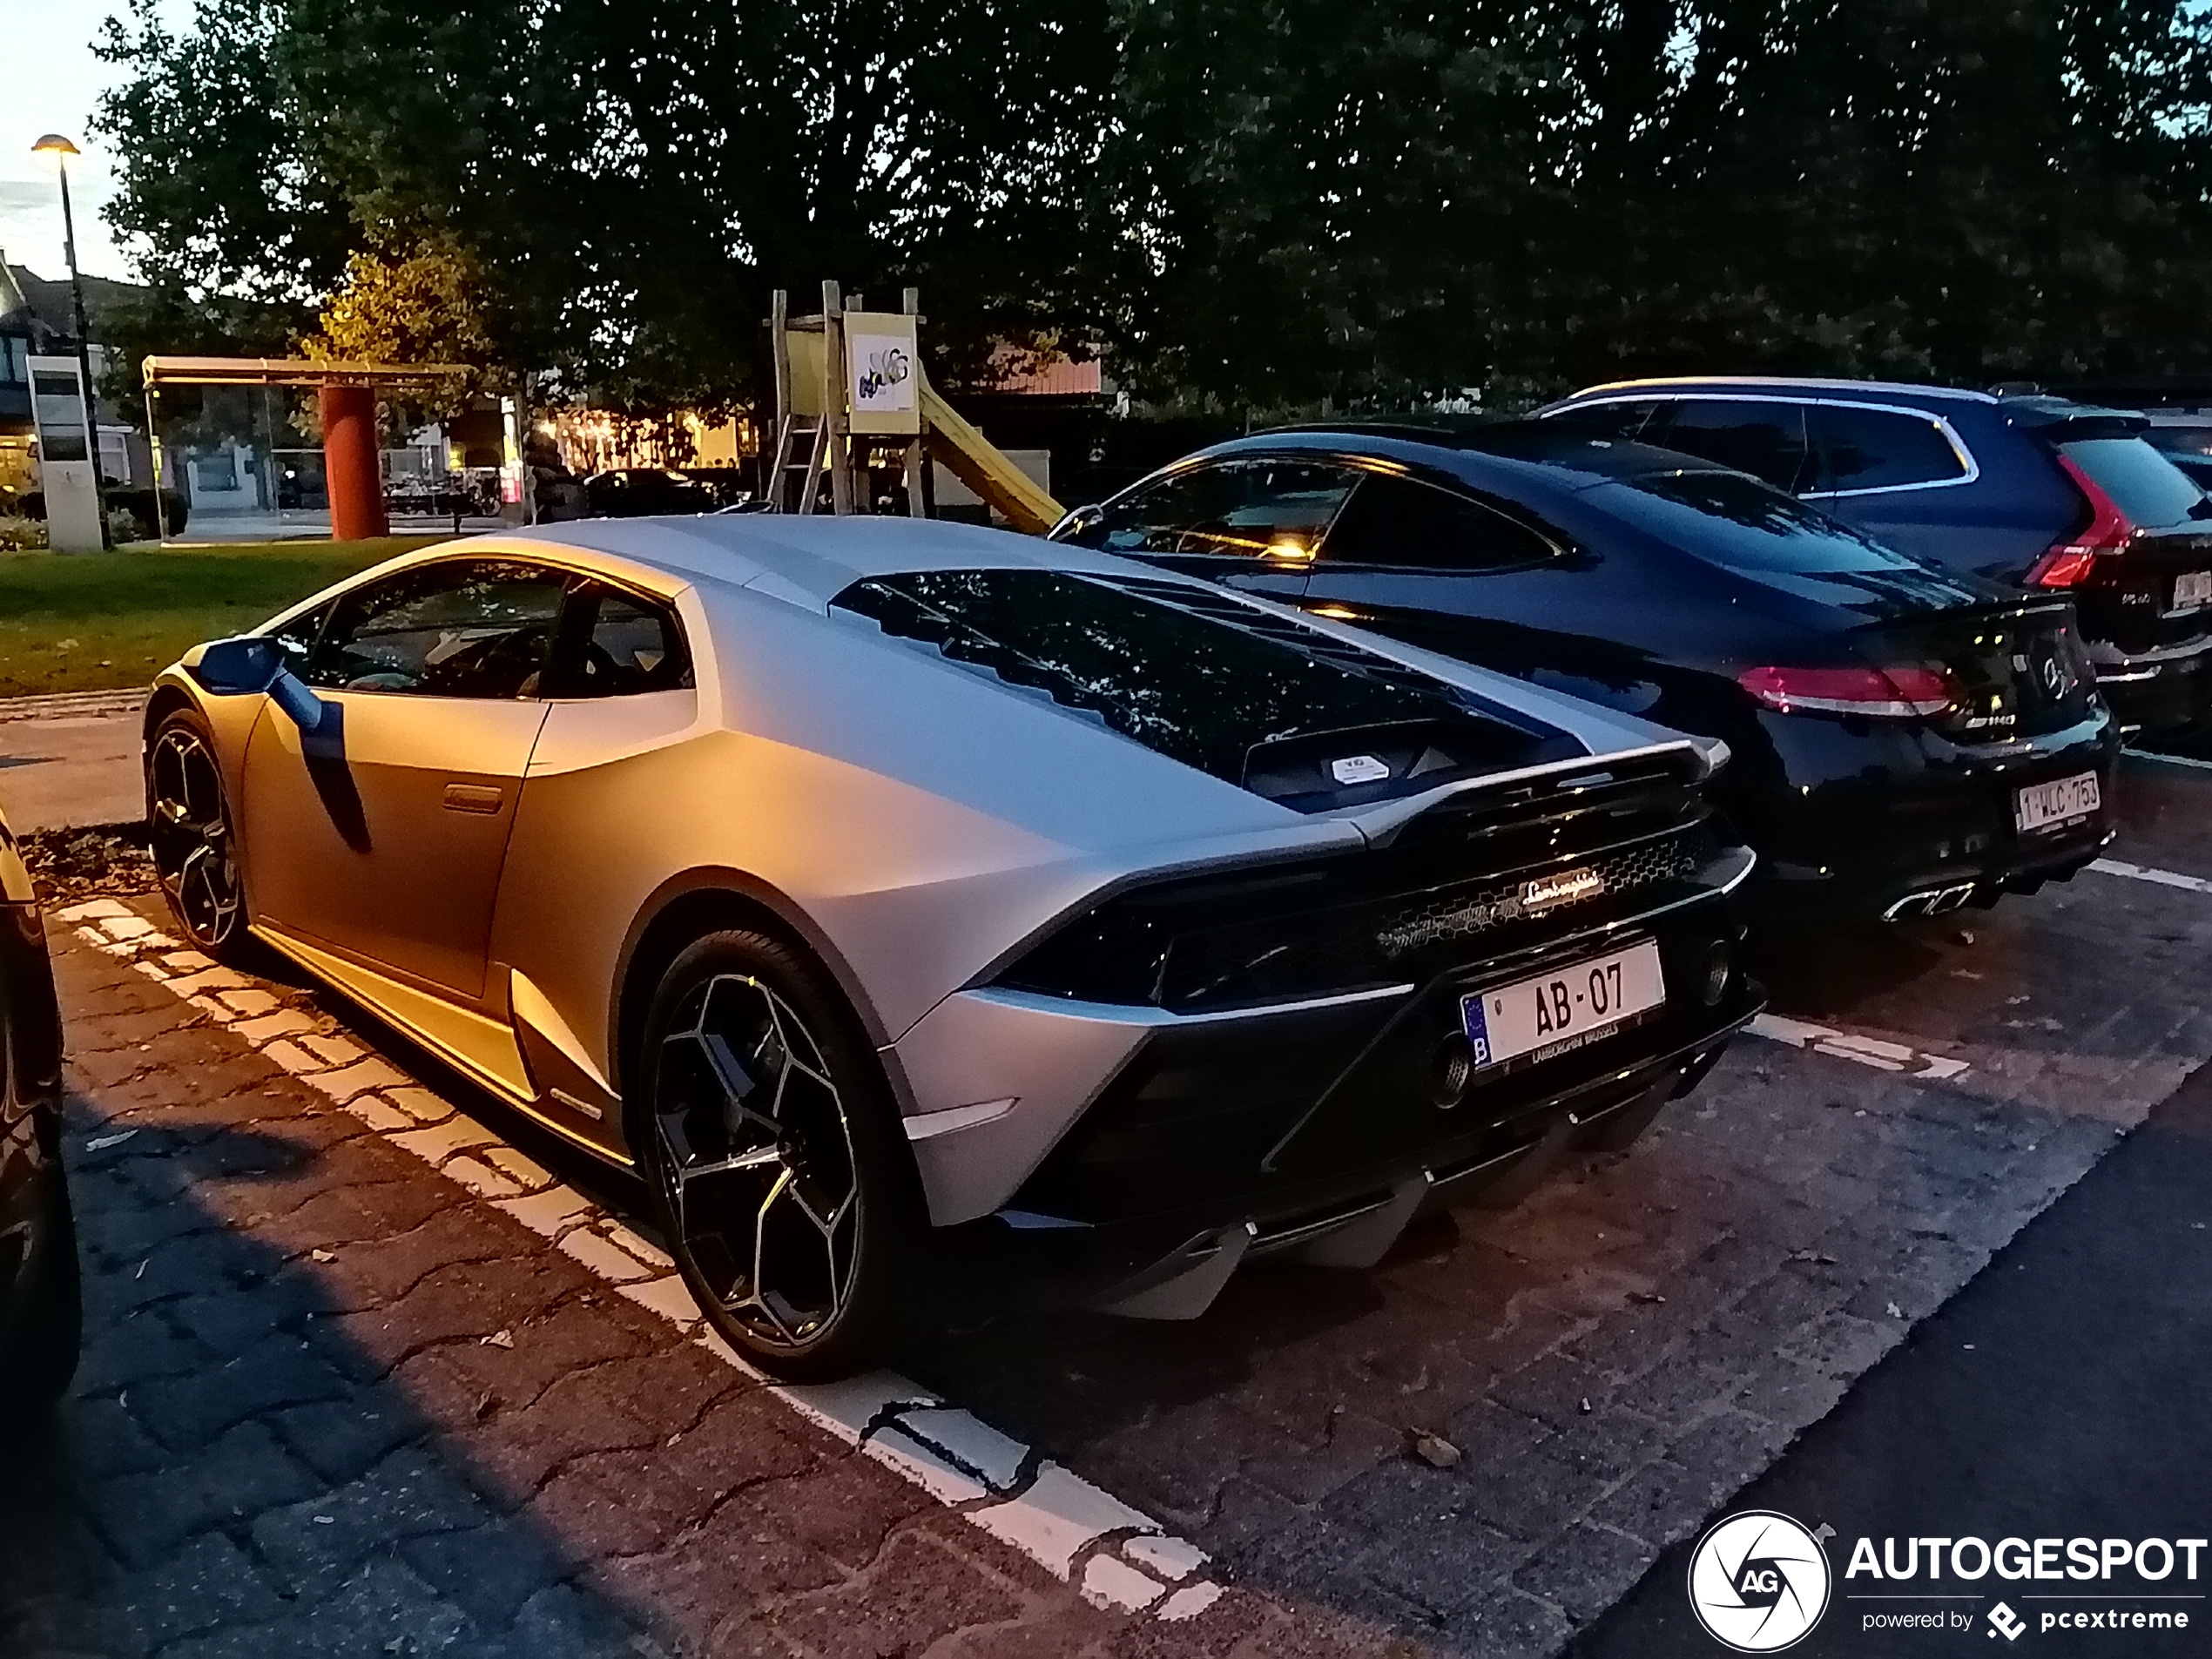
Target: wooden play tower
x: 853, y: 399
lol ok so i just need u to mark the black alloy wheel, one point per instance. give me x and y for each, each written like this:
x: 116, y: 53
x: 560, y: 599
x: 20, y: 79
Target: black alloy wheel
x: 189, y: 824
x: 772, y: 1146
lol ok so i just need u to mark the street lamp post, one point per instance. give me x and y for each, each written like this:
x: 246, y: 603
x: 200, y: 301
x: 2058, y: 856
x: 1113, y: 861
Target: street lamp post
x: 61, y: 148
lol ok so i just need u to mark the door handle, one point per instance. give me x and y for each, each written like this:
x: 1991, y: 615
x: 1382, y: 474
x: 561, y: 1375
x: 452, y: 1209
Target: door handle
x: 473, y: 798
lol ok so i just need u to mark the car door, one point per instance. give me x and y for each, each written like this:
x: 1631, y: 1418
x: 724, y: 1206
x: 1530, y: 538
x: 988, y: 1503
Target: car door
x: 622, y: 694
x: 1439, y: 568
x: 382, y: 836
x: 1248, y: 521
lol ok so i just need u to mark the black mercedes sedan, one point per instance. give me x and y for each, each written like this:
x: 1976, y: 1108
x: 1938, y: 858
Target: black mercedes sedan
x: 1906, y: 738
x: 38, y: 1281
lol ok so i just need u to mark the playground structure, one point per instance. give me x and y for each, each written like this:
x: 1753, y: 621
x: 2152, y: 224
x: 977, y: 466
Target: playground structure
x: 851, y: 393
x: 346, y: 399
x: 853, y: 401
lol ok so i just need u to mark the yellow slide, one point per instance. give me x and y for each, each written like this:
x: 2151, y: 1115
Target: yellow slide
x: 971, y: 458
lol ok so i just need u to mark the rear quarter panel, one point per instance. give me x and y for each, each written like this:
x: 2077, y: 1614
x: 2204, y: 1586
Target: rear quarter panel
x: 918, y: 818
x: 1997, y: 526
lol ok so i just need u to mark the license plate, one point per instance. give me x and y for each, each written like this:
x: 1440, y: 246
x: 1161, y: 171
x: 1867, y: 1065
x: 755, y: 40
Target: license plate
x: 1552, y: 1012
x: 2041, y: 807
x: 2192, y: 589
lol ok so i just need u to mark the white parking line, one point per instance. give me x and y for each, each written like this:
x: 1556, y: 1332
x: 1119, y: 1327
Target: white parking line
x: 1844, y: 1045
x: 2143, y: 873
x: 2170, y: 761
x: 1116, y: 1556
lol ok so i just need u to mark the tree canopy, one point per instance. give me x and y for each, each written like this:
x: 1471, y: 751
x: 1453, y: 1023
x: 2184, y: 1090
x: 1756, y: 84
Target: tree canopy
x: 1376, y: 200
x: 632, y: 179
x: 1252, y: 205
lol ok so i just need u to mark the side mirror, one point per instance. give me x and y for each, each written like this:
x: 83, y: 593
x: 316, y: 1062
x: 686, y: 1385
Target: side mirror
x: 237, y: 667
x: 249, y: 664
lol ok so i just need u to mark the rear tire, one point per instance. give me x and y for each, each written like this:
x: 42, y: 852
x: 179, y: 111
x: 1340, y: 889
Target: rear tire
x: 189, y: 826
x: 772, y: 1147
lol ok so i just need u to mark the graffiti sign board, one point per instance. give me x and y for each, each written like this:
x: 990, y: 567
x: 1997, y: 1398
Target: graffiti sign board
x: 882, y: 374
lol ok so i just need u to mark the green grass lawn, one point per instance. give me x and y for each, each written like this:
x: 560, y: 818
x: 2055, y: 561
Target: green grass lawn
x: 89, y: 622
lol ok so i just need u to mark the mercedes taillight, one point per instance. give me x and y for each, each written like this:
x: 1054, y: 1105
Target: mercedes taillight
x: 1899, y: 693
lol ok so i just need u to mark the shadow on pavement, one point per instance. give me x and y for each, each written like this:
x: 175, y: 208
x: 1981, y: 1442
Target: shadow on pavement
x: 233, y: 1474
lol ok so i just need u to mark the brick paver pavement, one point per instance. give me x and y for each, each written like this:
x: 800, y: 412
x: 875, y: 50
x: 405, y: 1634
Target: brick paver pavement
x: 290, y: 1309
x: 334, y: 1403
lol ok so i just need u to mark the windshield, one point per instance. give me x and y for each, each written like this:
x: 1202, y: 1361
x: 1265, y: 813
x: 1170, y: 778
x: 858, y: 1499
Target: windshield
x: 2142, y: 483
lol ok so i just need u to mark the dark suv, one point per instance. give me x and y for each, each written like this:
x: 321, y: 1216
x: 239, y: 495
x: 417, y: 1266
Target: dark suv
x: 2036, y: 491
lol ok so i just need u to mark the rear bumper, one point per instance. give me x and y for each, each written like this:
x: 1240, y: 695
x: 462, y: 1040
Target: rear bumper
x: 1931, y: 824
x: 2156, y: 692
x: 1318, y: 1127
x: 1144, y: 1264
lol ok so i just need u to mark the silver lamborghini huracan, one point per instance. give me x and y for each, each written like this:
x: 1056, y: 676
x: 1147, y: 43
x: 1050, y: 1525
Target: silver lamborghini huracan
x: 868, y: 882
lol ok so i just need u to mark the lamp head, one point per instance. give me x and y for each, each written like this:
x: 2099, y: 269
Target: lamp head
x: 54, y: 145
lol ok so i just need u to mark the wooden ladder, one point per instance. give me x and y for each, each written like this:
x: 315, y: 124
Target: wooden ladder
x: 821, y: 438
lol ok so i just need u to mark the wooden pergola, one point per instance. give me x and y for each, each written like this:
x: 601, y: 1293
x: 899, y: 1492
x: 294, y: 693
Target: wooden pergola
x: 345, y: 395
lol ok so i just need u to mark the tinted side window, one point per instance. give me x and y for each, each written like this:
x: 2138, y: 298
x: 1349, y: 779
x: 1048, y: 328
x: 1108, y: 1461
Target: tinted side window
x: 1237, y: 508
x: 1877, y: 449
x: 470, y: 628
x: 619, y: 644
x: 1402, y: 522
x: 1623, y: 422
x: 1766, y: 439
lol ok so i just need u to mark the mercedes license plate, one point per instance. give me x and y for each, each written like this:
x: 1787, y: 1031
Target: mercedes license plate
x: 2041, y: 807
x: 1556, y: 1012
x: 2192, y: 589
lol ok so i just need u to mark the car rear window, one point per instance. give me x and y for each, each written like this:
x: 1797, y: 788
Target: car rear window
x: 2178, y: 440
x: 2142, y: 483
x: 1265, y: 705
x: 1741, y: 522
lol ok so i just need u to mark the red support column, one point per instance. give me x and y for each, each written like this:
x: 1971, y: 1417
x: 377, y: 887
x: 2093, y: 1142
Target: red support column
x: 353, y: 471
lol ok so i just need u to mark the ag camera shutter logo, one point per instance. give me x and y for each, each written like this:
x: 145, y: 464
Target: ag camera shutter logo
x: 1758, y: 1581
